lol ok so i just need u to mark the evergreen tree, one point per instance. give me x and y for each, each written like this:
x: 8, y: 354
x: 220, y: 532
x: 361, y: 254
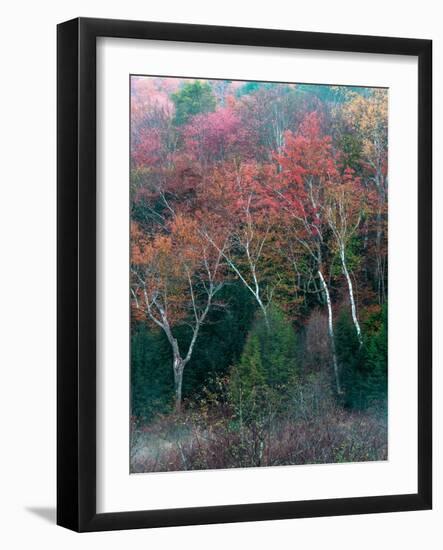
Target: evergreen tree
x: 249, y: 88
x: 248, y: 378
x: 278, y: 348
x: 193, y: 98
x: 377, y: 360
x: 151, y: 380
x: 351, y: 362
x: 267, y: 367
x: 363, y: 368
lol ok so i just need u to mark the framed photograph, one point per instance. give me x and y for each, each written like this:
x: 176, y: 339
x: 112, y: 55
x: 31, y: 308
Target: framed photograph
x: 244, y: 274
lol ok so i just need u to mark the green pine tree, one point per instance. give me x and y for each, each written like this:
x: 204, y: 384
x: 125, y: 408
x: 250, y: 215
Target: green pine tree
x: 248, y: 377
x: 363, y: 368
x: 377, y: 361
x: 278, y: 349
x: 267, y: 368
x: 195, y: 97
x: 151, y: 376
x: 352, y: 364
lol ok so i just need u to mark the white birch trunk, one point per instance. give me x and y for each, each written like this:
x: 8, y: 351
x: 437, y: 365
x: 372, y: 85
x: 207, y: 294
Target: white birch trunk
x: 351, y: 294
x: 263, y: 309
x: 331, y: 332
x: 178, y: 366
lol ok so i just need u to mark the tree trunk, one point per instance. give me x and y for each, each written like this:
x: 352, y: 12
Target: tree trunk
x: 380, y: 184
x: 331, y: 333
x: 178, y: 367
x: 351, y: 294
x: 379, y: 274
x: 263, y: 309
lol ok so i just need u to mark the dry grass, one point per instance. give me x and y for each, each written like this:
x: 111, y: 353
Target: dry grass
x: 172, y: 443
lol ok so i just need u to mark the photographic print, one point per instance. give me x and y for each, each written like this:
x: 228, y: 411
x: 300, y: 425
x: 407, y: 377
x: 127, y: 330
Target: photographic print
x: 258, y: 274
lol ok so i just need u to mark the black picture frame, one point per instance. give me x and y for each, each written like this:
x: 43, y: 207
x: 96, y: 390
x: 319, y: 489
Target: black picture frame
x: 76, y: 265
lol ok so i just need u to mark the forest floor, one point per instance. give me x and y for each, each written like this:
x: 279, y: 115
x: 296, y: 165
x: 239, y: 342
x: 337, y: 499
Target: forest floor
x: 174, y: 443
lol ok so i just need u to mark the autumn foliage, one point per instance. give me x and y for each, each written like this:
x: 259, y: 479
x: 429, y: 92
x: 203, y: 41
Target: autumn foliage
x: 252, y: 202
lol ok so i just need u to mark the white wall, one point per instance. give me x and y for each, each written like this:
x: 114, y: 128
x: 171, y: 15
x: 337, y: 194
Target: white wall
x: 27, y: 274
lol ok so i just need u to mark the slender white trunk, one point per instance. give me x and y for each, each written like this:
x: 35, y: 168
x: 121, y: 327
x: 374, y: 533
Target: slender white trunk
x: 380, y: 281
x: 351, y: 294
x: 263, y: 309
x: 156, y: 311
x: 178, y: 366
x: 331, y: 332
x: 380, y: 184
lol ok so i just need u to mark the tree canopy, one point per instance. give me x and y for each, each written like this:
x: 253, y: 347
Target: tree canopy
x: 258, y: 215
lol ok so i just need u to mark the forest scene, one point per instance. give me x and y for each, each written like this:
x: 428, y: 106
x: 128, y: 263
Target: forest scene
x: 258, y: 274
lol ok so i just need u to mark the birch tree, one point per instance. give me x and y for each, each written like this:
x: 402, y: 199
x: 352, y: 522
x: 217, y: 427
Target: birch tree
x: 344, y: 207
x: 174, y: 281
x: 234, y: 189
x: 307, y: 166
x: 367, y: 117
